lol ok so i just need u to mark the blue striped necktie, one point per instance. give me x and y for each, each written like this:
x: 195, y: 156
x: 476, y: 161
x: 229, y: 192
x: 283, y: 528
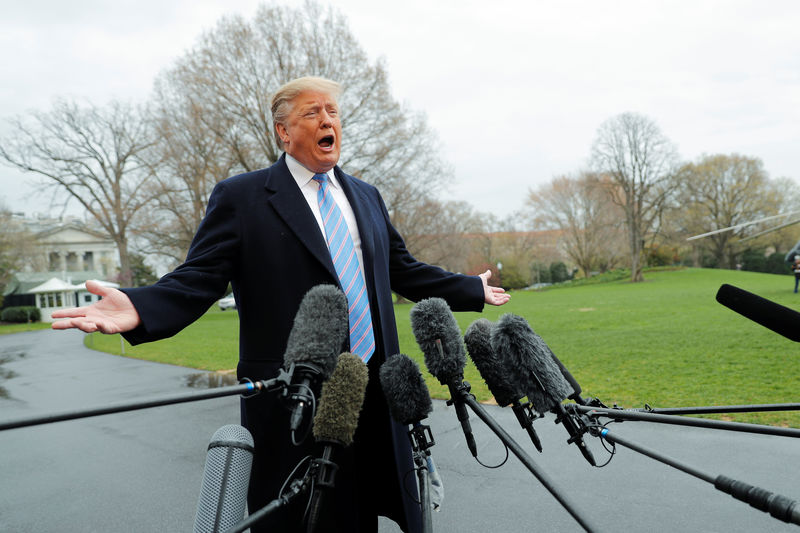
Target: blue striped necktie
x: 345, y: 261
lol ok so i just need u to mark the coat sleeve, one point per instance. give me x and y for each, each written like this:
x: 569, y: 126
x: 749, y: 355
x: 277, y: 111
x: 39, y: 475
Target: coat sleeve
x: 182, y: 296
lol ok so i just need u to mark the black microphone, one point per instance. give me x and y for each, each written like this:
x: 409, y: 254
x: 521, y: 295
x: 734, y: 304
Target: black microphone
x: 405, y: 390
x: 439, y: 337
x: 776, y: 317
x: 225, y: 479
x: 519, y: 348
x: 408, y: 398
x: 319, y: 332
x: 409, y: 403
x: 497, y: 377
x: 537, y: 374
x: 335, y: 422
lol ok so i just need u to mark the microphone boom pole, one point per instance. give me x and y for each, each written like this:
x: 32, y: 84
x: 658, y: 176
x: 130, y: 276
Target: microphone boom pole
x: 526, y: 459
x: 281, y: 381
x: 623, y: 414
x: 297, y: 488
x: 777, y: 506
x: 717, y: 409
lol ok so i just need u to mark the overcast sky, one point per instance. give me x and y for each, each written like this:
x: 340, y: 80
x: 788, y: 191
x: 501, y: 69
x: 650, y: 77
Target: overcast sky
x: 515, y: 90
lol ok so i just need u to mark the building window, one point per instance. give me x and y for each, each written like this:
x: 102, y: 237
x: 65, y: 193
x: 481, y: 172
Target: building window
x: 55, y: 261
x: 88, y: 261
x: 87, y: 298
x: 72, y: 261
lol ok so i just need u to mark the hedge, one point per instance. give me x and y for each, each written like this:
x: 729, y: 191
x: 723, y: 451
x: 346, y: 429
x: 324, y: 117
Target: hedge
x: 21, y: 314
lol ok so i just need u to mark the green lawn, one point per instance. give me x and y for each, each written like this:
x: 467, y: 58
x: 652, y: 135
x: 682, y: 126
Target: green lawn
x: 6, y: 328
x: 665, y: 342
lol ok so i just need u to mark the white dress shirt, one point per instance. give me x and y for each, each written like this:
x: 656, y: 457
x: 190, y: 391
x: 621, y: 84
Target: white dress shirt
x: 309, y: 188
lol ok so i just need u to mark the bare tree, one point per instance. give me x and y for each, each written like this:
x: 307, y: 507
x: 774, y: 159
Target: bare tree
x: 581, y: 208
x: 187, y: 160
x: 434, y: 231
x: 720, y: 191
x: 640, y: 160
x: 89, y: 154
x: 16, y: 247
x: 233, y: 70
x: 784, y: 195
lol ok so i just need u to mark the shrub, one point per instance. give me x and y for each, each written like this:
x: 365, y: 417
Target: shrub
x: 659, y: 255
x: 21, y: 314
x: 540, y: 273
x: 511, y: 278
x: 775, y: 264
x: 559, y: 272
x: 754, y: 261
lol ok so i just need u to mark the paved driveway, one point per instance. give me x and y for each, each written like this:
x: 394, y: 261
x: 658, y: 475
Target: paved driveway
x: 141, y: 471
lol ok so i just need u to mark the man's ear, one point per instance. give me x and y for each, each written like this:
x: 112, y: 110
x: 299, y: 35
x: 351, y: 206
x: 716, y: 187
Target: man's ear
x: 282, y: 133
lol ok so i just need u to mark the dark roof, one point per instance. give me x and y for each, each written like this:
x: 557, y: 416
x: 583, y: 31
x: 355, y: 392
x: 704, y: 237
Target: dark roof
x: 22, y: 282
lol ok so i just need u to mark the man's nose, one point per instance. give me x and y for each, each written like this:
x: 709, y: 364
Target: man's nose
x: 327, y: 120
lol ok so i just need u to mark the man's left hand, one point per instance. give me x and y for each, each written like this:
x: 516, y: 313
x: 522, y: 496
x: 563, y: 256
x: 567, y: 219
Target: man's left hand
x: 492, y: 295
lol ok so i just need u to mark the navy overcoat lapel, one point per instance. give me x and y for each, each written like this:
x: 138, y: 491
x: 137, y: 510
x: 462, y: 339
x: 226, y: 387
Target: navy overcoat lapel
x: 289, y: 203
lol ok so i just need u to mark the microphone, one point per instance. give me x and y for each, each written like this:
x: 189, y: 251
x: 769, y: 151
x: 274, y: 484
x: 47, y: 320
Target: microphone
x: 501, y: 384
x: 408, y: 398
x: 405, y: 390
x: 341, y: 401
x: 437, y: 334
x: 225, y: 479
x: 409, y: 402
x: 539, y: 375
x: 319, y: 331
x: 335, y: 422
x: 780, y: 319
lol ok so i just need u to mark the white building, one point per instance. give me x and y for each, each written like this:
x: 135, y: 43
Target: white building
x: 73, y: 246
x: 56, y: 294
x: 69, y: 251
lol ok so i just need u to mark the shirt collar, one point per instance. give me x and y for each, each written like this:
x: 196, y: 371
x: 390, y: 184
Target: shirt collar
x: 302, y: 175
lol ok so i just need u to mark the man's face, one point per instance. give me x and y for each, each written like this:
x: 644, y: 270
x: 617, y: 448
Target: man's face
x: 312, y: 133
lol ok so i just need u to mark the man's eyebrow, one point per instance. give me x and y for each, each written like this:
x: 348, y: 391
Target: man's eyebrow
x: 308, y: 107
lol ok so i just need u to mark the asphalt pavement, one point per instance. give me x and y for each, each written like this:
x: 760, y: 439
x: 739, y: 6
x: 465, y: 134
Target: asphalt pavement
x: 142, y: 470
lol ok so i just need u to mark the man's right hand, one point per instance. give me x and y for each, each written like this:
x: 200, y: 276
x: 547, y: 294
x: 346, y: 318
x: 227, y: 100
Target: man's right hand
x: 114, y: 313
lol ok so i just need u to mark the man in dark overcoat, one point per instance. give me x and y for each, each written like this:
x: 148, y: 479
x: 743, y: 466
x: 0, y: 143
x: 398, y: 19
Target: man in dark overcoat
x: 264, y: 233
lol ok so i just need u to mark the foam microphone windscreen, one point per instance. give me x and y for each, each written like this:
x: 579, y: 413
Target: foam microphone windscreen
x: 530, y: 360
x: 773, y: 316
x: 320, y: 329
x: 432, y: 320
x: 341, y: 401
x: 405, y: 390
x: 478, y: 339
x: 225, y: 479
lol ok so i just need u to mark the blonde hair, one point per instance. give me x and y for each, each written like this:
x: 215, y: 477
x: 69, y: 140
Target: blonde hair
x: 282, y: 99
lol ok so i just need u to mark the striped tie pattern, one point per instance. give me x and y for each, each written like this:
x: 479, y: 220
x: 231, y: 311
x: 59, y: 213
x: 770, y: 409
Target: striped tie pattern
x: 345, y: 261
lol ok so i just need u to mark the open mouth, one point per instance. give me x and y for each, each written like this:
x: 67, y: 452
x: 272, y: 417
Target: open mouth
x: 326, y: 142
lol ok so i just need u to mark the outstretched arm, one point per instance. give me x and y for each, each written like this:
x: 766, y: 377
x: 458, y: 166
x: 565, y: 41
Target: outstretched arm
x: 114, y: 313
x: 493, y: 295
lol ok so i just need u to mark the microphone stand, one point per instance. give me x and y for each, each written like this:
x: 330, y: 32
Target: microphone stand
x: 281, y: 381
x: 323, y: 470
x: 297, y: 487
x: 777, y: 506
x: 623, y: 414
x: 464, y: 396
x: 525, y: 416
x: 320, y: 472
x: 421, y: 440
